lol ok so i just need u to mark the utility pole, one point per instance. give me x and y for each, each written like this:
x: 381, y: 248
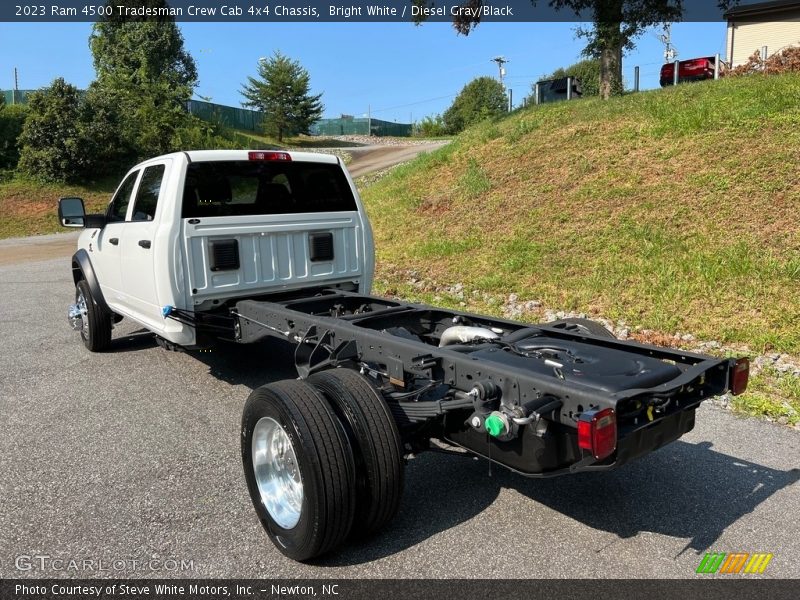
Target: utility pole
x: 16, y: 87
x: 670, y: 52
x: 500, y: 62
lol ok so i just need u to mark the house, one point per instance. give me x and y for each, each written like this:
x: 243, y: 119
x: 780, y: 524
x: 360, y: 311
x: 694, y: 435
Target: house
x: 775, y: 25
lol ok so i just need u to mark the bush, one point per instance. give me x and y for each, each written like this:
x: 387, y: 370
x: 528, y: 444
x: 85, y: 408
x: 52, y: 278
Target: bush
x: 482, y: 98
x: 785, y: 61
x: 51, y: 140
x: 12, y: 120
x: 431, y: 127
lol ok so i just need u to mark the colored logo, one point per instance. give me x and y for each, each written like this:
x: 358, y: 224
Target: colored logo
x: 734, y: 562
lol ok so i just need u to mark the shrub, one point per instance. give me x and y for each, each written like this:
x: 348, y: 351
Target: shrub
x: 785, y: 61
x: 51, y: 139
x: 12, y: 120
x: 431, y: 127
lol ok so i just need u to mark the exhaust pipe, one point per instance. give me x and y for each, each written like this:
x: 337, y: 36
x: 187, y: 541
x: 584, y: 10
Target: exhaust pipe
x: 463, y: 334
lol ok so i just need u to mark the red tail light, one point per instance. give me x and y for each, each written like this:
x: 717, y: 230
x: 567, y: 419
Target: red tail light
x: 695, y: 65
x: 597, y: 432
x: 740, y: 373
x: 269, y: 156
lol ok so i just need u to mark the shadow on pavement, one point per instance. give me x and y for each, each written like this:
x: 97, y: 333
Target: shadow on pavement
x: 251, y: 365
x: 684, y: 490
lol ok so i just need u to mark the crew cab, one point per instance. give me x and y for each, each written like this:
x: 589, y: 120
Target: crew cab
x: 194, y: 230
x: 242, y: 245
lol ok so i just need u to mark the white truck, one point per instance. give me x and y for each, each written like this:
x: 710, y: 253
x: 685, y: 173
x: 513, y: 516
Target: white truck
x: 243, y: 245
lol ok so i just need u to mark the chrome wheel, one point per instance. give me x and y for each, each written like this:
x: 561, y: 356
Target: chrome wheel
x: 79, y: 314
x: 277, y: 473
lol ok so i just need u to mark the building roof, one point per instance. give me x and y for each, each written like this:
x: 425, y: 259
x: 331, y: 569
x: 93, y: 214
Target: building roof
x: 761, y: 9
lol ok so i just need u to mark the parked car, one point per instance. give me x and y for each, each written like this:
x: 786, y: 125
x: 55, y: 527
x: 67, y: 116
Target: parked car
x: 694, y: 69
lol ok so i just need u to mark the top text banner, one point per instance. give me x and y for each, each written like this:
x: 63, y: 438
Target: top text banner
x: 312, y: 11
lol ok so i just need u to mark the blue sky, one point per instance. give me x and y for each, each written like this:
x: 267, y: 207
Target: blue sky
x: 398, y: 70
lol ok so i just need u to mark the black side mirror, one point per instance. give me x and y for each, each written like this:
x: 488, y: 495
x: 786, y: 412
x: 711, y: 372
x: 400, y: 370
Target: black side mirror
x: 71, y: 212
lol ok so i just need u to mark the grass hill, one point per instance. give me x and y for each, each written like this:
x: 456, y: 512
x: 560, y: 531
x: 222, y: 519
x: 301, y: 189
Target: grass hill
x: 675, y: 210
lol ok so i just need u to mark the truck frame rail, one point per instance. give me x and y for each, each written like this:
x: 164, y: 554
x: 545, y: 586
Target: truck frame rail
x: 541, y: 379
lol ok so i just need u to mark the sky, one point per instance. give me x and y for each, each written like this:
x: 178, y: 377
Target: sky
x: 395, y: 71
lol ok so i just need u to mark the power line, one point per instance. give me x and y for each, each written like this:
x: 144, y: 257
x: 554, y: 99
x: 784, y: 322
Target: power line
x: 414, y: 103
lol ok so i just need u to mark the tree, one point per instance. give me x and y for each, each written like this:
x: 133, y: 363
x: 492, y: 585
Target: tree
x: 51, y: 139
x: 480, y: 99
x: 144, y: 71
x: 616, y: 24
x: 12, y: 120
x: 282, y: 93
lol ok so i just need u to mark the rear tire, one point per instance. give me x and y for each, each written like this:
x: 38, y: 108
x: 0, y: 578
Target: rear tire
x: 583, y: 326
x: 316, y: 519
x: 96, y: 330
x: 376, y: 442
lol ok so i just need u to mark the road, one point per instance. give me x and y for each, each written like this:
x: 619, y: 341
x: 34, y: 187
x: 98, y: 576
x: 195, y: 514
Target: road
x: 368, y: 159
x: 365, y: 160
x: 134, y: 453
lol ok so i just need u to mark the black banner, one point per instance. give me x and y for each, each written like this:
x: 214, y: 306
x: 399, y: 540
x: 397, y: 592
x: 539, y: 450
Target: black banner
x: 707, y: 588
x: 276, y: 11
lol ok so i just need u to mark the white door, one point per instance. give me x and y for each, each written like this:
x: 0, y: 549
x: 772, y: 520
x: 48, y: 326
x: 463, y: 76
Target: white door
x: 138, y: 247
x: 104, y: 247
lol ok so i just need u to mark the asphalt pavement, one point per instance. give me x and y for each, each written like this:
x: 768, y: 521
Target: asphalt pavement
x: 128, y: 461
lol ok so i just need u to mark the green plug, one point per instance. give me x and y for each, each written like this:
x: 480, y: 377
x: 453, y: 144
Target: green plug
x: 495, y: 425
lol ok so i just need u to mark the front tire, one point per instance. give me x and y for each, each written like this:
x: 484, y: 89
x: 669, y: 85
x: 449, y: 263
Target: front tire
x: 96, y: 322
x: 299, y: 469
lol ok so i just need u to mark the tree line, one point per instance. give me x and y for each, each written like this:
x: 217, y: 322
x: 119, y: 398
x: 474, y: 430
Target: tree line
x: 136, y: 106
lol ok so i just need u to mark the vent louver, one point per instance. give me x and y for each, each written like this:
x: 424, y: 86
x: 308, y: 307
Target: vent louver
x: 224, y: 255
x: 320, y: 246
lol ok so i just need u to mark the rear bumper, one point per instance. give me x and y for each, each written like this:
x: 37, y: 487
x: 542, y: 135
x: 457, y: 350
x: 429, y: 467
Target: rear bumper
x: 536, y: 458
x: 639, y: 441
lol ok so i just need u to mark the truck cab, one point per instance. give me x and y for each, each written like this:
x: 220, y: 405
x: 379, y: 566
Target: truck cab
x: 195, y: 230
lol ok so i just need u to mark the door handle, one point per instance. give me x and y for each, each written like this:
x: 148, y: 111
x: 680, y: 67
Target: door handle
x: 114, y: 241
x: 145, y: 243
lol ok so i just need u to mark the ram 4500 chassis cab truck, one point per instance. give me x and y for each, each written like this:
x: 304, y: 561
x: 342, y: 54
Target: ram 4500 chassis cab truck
x: 240, y: 246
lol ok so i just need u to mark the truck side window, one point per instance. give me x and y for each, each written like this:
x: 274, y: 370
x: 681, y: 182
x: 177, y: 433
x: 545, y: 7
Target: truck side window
x: 120, y: 201
x: 144, y: 207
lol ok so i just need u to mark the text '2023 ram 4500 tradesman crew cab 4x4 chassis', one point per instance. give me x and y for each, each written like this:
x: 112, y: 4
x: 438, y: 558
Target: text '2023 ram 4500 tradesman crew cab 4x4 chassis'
x: 238, y: 245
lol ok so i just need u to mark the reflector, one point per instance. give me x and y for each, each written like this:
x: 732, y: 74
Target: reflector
x: 597, y: 432
x: 740, y: 373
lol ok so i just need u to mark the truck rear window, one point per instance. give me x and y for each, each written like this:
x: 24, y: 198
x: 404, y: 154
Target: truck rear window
x: 239, y: 188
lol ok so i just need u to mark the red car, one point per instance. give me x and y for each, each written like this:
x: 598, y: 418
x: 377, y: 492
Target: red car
x: 694, y: 69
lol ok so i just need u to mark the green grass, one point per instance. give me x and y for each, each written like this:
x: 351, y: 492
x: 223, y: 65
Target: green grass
x: 769, y: 395
x: 30, y: 208
x: 675, y: 210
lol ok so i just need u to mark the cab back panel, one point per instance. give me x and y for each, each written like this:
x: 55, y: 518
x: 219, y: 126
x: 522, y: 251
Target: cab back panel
x: 271, y: 255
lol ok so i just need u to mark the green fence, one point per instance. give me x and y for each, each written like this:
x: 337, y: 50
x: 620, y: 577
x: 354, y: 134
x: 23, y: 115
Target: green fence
x: 16, y: 96
x: 250, y: 120
x: 360, y: 126
x: 227, y: 116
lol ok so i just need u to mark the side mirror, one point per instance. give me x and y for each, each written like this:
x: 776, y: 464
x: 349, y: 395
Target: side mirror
x: 71, y: 212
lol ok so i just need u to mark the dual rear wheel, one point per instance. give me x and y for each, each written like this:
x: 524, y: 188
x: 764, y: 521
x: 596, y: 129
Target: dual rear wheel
x: 323, y: 461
